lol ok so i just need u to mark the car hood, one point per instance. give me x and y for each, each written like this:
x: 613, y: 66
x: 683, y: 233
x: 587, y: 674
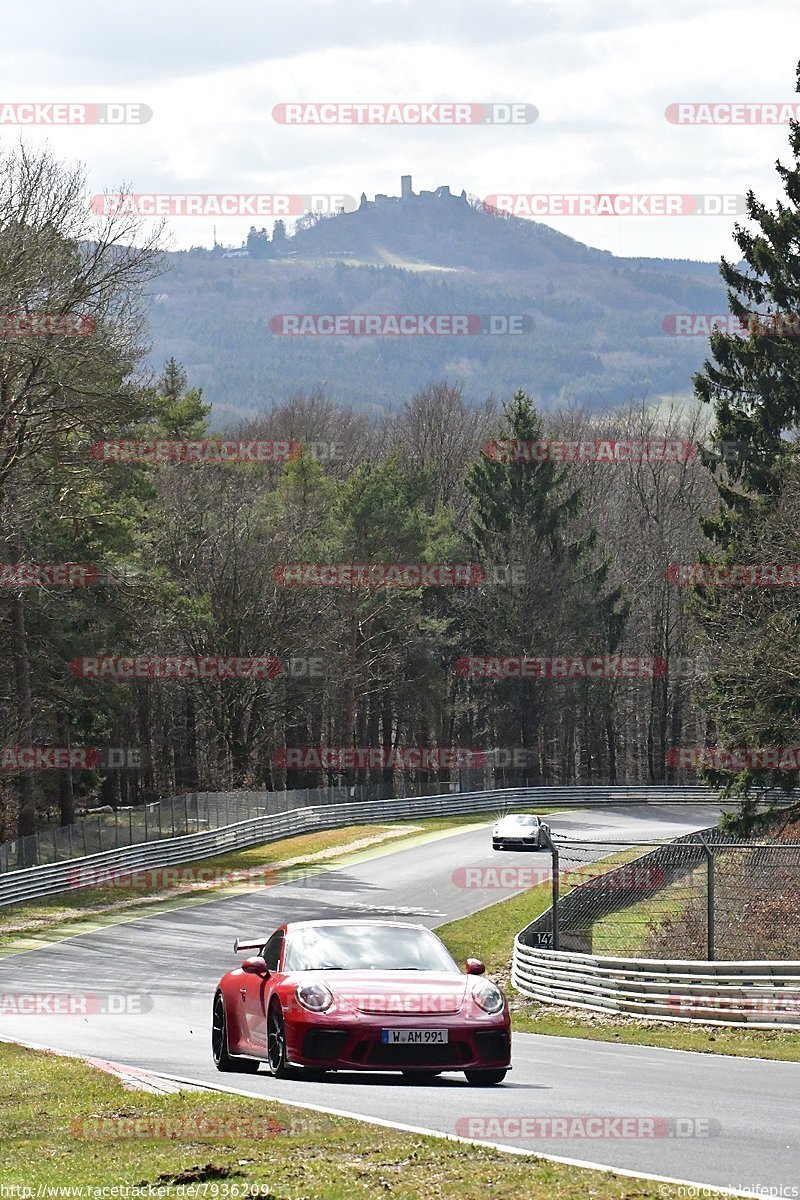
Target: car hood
x: 396, y: 993
x: 514, y: 828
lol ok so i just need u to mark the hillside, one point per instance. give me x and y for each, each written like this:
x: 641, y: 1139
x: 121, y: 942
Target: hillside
x: 596, y: 336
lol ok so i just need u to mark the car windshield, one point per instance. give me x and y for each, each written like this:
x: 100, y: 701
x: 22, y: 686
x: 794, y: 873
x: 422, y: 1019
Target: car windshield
x: 525, y: 820
x: 365, y: 947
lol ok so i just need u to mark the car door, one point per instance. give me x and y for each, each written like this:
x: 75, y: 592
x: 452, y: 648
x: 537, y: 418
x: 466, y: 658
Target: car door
x: 254, y: 993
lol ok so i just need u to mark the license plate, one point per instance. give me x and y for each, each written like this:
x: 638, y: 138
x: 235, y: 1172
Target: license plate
x: 414, y: 1037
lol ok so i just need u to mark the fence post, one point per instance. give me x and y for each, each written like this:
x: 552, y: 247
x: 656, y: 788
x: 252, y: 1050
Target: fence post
x: 185, y: 814
x: 710, y: 932
x: 555, y: 888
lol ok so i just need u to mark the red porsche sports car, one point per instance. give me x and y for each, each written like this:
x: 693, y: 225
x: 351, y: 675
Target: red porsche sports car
x: 359, y: 996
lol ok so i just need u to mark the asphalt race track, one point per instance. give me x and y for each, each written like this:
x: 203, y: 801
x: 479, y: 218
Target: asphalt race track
x: 746, y: 1109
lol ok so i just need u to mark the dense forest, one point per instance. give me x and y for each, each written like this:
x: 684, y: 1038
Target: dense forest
x: 385, y: 569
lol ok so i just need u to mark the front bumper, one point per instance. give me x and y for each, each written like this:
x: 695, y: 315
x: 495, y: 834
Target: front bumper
x: 358, y: 1047
x: 506, y: 843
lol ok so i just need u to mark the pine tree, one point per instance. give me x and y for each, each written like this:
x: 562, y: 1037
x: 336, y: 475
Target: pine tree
x: 754, y: 380
x: 527, y: 519
x: 753, y: 383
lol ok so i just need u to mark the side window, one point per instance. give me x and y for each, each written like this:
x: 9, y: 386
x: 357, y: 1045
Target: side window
x: 272, y: 951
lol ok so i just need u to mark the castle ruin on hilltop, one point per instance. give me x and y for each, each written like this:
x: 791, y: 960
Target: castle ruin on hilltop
x: 409, y: 196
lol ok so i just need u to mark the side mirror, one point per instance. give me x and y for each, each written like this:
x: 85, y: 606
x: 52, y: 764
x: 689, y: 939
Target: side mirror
x: 475, y: 966
x: 255, y: 966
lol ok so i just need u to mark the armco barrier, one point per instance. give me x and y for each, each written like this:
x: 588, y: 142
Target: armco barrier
x: 759, y: 994
x: 30, y: 883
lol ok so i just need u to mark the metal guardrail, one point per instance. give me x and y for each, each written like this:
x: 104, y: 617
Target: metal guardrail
x: 192, y: 812
x: 53, y: 878
x: 757, y: 994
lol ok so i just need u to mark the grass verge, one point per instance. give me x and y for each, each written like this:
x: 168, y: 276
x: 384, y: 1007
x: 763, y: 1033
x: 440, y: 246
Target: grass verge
x: 60, y: 1116
x: 530, y: 1017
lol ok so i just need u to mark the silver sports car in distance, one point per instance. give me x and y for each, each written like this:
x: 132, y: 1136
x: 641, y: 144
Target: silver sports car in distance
x: 522, y: 831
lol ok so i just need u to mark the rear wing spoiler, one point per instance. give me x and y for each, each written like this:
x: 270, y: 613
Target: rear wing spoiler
x: 241, y: 944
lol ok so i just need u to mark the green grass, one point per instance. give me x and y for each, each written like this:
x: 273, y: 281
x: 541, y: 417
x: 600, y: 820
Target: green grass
x: 489, y: 934
x: 530, y: 1017
x: 52, y: 1108
x: 628, y: 932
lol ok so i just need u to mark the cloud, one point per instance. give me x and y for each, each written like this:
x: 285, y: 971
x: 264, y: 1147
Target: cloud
x: 600, y: 75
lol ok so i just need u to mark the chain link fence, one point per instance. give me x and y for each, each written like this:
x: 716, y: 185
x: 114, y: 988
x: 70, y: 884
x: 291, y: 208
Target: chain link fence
x: 706, y: 896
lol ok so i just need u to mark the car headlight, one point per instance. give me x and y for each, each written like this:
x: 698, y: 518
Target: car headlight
x: 487, y: 996
x: 314, y: 996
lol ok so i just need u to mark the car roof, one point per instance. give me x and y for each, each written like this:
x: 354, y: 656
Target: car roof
x: 290, y: 925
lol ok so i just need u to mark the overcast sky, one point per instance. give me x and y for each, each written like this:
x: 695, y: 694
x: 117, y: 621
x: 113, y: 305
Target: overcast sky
x: 600, y: 74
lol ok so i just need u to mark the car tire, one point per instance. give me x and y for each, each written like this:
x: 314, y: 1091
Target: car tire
x: 223, y: 1061
x: 276, y: 1042
x: 486, y: 1078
